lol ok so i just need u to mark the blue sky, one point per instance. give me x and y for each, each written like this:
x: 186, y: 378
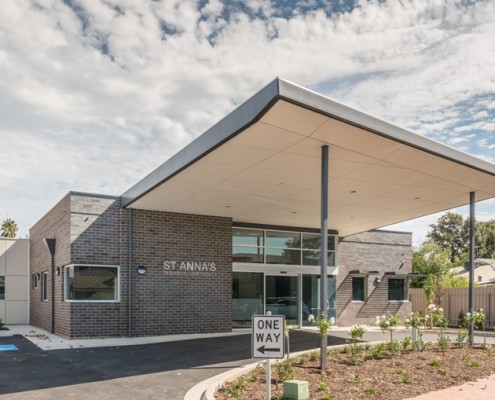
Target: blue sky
x: 97, y: 93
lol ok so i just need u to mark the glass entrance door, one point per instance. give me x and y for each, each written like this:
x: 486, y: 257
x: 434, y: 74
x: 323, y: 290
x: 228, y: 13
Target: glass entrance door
x: 282, y: 297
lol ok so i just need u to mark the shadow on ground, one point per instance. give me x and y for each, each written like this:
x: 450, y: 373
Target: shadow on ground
x: 31, y: 368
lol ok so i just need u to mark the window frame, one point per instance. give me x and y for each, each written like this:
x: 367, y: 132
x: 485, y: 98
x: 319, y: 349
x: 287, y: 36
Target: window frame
x: 404, y: 286
x: 364, y: 281
x: 67, y: 268
x: 264, y: 248
x: 3, y: 284
x: 44, y: 286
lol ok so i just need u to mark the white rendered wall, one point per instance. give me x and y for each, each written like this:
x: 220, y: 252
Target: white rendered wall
x: 14, y: 265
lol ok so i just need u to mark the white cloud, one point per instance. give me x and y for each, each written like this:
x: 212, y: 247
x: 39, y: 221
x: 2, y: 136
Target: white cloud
x: 128, y: 83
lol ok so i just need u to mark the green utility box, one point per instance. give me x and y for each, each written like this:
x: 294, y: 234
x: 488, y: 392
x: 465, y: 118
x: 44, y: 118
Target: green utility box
x: 296, y: 390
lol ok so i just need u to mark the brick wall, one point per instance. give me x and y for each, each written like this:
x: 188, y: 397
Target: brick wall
x: 381, y: 251
x: 176, y: 301
x: 98, y: 236
x: 55, y: 224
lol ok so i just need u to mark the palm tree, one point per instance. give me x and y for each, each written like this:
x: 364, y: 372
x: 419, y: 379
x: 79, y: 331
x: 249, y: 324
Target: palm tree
x: 9, y: 228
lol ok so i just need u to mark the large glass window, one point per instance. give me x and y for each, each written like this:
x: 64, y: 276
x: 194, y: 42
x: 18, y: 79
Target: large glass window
x: 247, y: 298
x: 279, y: 247
x: 91, y: 283
x: 248, y: 245
x: 397, y: 289
x: 2, y: 287
x: 311, y: 297
x: 358, y: 288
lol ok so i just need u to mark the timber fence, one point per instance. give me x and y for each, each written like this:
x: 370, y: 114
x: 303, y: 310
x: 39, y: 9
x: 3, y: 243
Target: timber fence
x: 455, y: 300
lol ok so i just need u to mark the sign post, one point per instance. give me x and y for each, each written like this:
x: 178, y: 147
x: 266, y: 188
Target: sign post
x: 268, y: 341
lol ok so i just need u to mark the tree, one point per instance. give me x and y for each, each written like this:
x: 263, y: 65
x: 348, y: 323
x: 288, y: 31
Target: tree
x: 485, y: 239
x: 9, y: 228
x: 451, y: 233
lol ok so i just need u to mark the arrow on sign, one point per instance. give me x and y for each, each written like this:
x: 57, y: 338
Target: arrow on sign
x: 262, y: 349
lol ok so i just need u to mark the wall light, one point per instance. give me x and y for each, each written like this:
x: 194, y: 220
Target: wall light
x: 141, y: 270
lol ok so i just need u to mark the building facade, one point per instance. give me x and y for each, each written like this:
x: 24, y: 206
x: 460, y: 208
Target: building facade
x: 14, y: 281
x: 199, y: 274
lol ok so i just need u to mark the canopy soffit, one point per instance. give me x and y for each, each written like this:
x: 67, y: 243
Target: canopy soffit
x: 261, y: 164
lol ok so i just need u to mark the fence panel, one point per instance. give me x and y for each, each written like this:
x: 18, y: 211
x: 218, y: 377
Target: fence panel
x: 455, y: 300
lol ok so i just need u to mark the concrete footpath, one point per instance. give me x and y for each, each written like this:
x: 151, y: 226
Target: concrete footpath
x: 146, y: 368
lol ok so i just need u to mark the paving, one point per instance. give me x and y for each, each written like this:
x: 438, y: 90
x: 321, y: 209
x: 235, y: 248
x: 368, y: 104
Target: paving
x: 125, y: 370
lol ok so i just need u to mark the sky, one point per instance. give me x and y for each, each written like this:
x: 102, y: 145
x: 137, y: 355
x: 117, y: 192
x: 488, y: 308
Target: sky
x: 95, y: 94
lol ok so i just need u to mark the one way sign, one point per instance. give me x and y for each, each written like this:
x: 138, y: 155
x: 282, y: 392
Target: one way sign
x: 268, y: 336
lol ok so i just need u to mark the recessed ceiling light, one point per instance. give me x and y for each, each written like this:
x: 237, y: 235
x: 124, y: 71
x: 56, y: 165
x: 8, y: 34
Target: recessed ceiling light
x: 352, y: 217
x: 227, y: 206
x: 417, y: 198
x: 294, y: 212
x: 353, y: 191
x: 280, y: 183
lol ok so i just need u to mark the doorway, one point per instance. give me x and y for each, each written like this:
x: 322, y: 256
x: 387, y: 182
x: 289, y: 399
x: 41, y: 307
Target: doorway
x: 282, y: 297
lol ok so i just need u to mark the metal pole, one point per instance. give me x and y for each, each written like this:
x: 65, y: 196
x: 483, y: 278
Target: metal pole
x: 53, y: 293
x: 324, y: 251
x: 472, y: 200
x: 129, y: 271
x: 268, y: 380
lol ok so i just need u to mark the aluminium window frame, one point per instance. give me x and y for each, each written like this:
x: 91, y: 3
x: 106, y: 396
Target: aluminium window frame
x: 66, y: 283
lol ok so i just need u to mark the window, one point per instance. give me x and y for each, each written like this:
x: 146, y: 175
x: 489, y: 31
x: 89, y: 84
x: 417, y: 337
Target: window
x: 44, y: 286
x: 91, y: 283
x: 397, y: 289
x: 279, y: 247
x: 34, y: 281
x: 2, y: 287
x: 358, y: 288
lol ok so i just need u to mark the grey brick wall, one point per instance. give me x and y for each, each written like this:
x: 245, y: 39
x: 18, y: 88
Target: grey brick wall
x: 98, y: 236
x: 185, y: 302
x: 381, y: 251
x: 55, y: 224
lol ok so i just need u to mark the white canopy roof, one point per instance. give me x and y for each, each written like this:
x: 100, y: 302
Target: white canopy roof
x: 262, y: 164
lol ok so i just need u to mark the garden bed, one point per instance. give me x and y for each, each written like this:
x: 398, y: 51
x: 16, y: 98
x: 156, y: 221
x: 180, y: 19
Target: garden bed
x: 369, y: 373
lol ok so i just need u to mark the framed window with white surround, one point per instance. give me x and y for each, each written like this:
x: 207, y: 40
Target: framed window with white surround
x: 92, y: 283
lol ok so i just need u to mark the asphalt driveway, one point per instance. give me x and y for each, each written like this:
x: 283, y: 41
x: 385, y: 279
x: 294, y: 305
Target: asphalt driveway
x: 152, y: 371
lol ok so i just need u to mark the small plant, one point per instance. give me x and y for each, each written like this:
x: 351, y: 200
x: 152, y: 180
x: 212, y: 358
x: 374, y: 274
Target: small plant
x: 356, y: 378
x: 284, y: 371
x: 367, y: 346
x: 436, y: 362
x: 400, y: 371
x: 253, y: 377
x: 389, y: 323
x: 461, y: 339
x: 323, y: 323
x: 328, y: 396
x: 442, y: 372
x: 322, y: 387
x: 370, y: 390
x: 405, y: 380
x: 406, y: 343
x: 394, y: 347
x: 378, y: 351
x: 236, y: 387
x: 345, y: 350
x: 465, y: 357
x: 313, y: 356
x: 444, y: 342
x: 300, y: 361
x: 356, y: 333
x: 474, y: 364
x: 478, y: 319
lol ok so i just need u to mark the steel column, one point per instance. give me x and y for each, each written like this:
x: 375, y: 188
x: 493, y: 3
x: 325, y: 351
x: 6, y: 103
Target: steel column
x: 324, y: 251
x: 472, y: 199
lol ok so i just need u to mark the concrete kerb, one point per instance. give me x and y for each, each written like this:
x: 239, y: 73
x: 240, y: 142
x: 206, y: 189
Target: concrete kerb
x: 206, y: 390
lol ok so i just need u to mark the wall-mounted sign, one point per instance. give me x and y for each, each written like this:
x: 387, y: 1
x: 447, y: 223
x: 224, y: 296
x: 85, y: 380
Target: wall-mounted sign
x: 198, y: 268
